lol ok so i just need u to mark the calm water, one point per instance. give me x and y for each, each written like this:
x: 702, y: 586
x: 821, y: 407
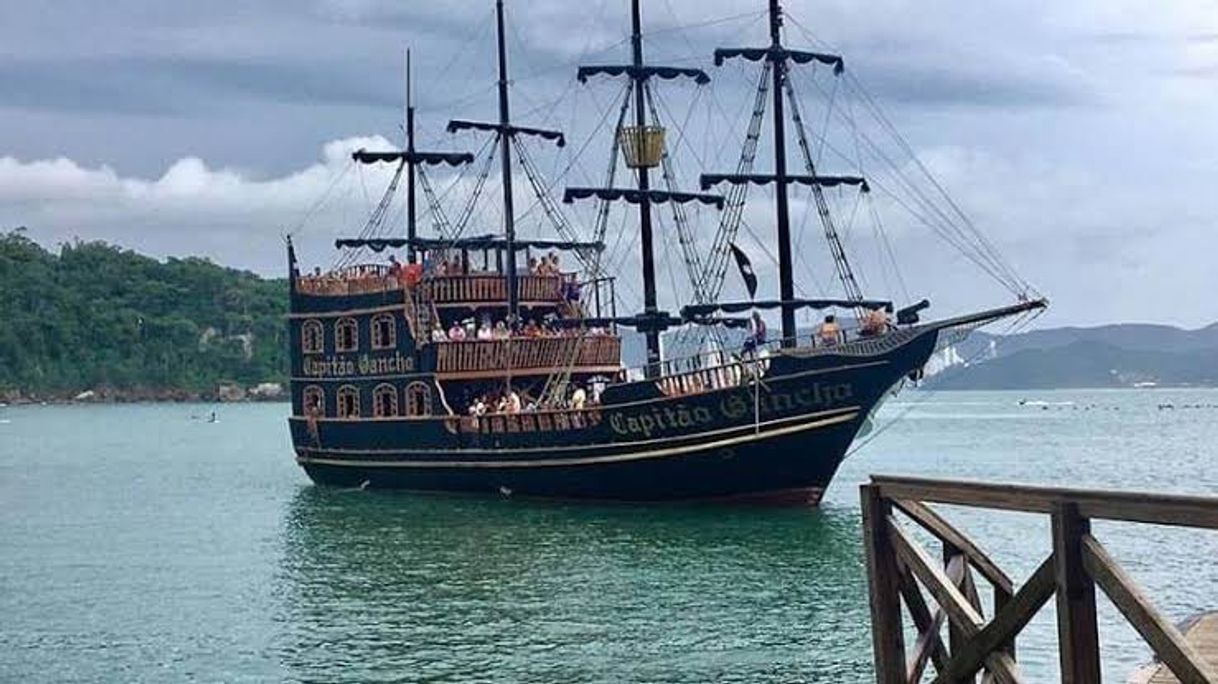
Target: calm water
x: 139, y: 544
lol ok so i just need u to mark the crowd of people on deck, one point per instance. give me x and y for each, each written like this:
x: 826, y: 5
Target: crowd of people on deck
x: 480, y: 328
x: 829, y: 333
x: 511, y: 401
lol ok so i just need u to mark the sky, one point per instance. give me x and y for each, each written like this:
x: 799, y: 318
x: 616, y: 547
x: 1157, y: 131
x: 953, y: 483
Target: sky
x: 1081, y: 136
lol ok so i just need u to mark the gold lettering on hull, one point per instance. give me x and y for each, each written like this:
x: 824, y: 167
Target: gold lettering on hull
x: 734, y: 407
x: 364, y: 364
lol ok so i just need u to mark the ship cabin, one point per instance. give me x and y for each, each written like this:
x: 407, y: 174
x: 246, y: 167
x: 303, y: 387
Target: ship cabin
x: 428, y: 331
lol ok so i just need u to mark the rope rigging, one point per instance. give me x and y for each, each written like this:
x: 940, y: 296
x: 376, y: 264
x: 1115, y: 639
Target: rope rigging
x: 375, y: 225
x: 715, y: 272
x: 603, y: 206
x: 551, y: 209
x: 439, y: 220
x: 479, y: 184
x: 689, y: 252
x: 840, y: 261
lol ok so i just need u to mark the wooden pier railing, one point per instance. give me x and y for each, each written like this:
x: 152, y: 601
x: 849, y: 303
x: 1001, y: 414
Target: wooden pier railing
x: 898, y: 568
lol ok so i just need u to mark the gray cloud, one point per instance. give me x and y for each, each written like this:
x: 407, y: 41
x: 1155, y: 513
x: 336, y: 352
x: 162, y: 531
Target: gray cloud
x: 195, y: 127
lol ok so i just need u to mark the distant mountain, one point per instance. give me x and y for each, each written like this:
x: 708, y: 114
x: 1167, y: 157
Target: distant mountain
x: 1120, y: 355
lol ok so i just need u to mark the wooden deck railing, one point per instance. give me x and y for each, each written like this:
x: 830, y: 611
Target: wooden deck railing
x: 528, y: 353
x: 492, y: 287
x: 455, y: 289
x: 898, y: 568
x: 360, y: 279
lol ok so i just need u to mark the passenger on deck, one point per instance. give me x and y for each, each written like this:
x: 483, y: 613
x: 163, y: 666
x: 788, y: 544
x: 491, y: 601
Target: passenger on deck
x: 395, y: 268
x: 484, y: 330
x: 829, y: 333
x: 513, y: 402
x: 477, y: 408
x: 757, y: 334
x: 500, y: 332
x: 578, y: 398
x: 533, y: 267
x: 437, y: 333
x: 456, y: 333
x: 531, y: 329
x: 554, y: 268
x: 875, y: 323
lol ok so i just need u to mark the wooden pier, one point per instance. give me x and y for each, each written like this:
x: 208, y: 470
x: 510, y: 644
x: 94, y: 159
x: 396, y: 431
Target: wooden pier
x: 899, y: 568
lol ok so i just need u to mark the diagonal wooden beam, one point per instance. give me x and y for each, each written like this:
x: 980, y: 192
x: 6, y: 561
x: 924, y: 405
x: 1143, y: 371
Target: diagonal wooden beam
x: 956, y: 565
x: 1168, y: 643
x: 1008, y: 622
x: 940, y: 586
x: 950, y: 598
x: 935, y: 524
x: 929, y: 646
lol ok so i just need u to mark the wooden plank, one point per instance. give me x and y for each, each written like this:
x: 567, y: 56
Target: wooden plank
x: 955, y: 565
x: 887, y: 631
x: 950, y: 598
x: 1077, y: 631
x: 929, y: 646
x: 936, y: 581
x: 1161, y: 509
x: 1007, y: 622
x: 1202, y: 633
x: 1168, y: 643
x: 934, y: 523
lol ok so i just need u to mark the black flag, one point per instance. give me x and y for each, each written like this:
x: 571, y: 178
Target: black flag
x: 746, y: 269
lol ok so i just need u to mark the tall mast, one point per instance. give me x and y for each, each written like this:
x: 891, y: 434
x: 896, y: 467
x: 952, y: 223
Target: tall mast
x: 650, y: 307
x: 505, y: 158
x: 411, y: 209
x: 643, y: 147
x: 780, y: 59
x: 786, y: 283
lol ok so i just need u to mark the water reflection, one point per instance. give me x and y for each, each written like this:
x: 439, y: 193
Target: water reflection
x: 378, y: 586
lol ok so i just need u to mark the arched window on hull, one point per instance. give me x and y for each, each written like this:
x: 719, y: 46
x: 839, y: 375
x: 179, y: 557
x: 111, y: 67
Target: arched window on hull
x: 384, y: 332
x: 312, y: 337
x: 418, y: 399
x: 348, y: 402
x: 346, y: 335
x: 385, y: 401
x: 313, y: 403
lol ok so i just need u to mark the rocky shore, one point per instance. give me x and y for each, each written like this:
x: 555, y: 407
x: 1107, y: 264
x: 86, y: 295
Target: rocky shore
x: 227, y: 393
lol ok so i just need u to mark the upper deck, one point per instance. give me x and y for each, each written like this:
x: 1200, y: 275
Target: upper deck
x: 477, y: 288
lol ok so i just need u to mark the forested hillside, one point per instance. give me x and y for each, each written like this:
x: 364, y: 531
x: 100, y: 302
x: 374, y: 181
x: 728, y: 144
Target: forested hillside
x: 95, y: 316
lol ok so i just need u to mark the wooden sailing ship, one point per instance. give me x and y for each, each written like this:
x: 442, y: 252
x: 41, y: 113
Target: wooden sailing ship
x: 392, y: 388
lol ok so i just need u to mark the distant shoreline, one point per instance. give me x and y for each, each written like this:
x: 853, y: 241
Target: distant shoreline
x: 138, y: 396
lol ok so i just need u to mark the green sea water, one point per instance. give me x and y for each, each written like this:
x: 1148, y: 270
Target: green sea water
x: 144, y: 544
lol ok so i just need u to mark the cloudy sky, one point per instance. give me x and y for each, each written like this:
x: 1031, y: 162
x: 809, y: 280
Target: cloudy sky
x: 1080, y: 135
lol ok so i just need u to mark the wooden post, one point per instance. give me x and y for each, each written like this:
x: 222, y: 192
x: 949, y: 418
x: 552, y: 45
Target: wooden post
x: 883, y: 581
x: 956, y: 637
x: 1077, y: 632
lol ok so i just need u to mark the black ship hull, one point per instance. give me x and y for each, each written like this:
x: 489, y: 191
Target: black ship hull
x: 777, y: 442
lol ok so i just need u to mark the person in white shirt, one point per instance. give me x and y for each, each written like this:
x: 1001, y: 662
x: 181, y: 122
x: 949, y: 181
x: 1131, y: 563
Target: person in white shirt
x: 578, y: 398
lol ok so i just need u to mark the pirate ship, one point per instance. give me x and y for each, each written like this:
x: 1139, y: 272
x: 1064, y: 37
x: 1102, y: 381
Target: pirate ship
x: 493, y: 363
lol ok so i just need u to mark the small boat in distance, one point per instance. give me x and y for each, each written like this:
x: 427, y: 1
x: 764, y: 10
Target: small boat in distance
x: 492, y: 363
